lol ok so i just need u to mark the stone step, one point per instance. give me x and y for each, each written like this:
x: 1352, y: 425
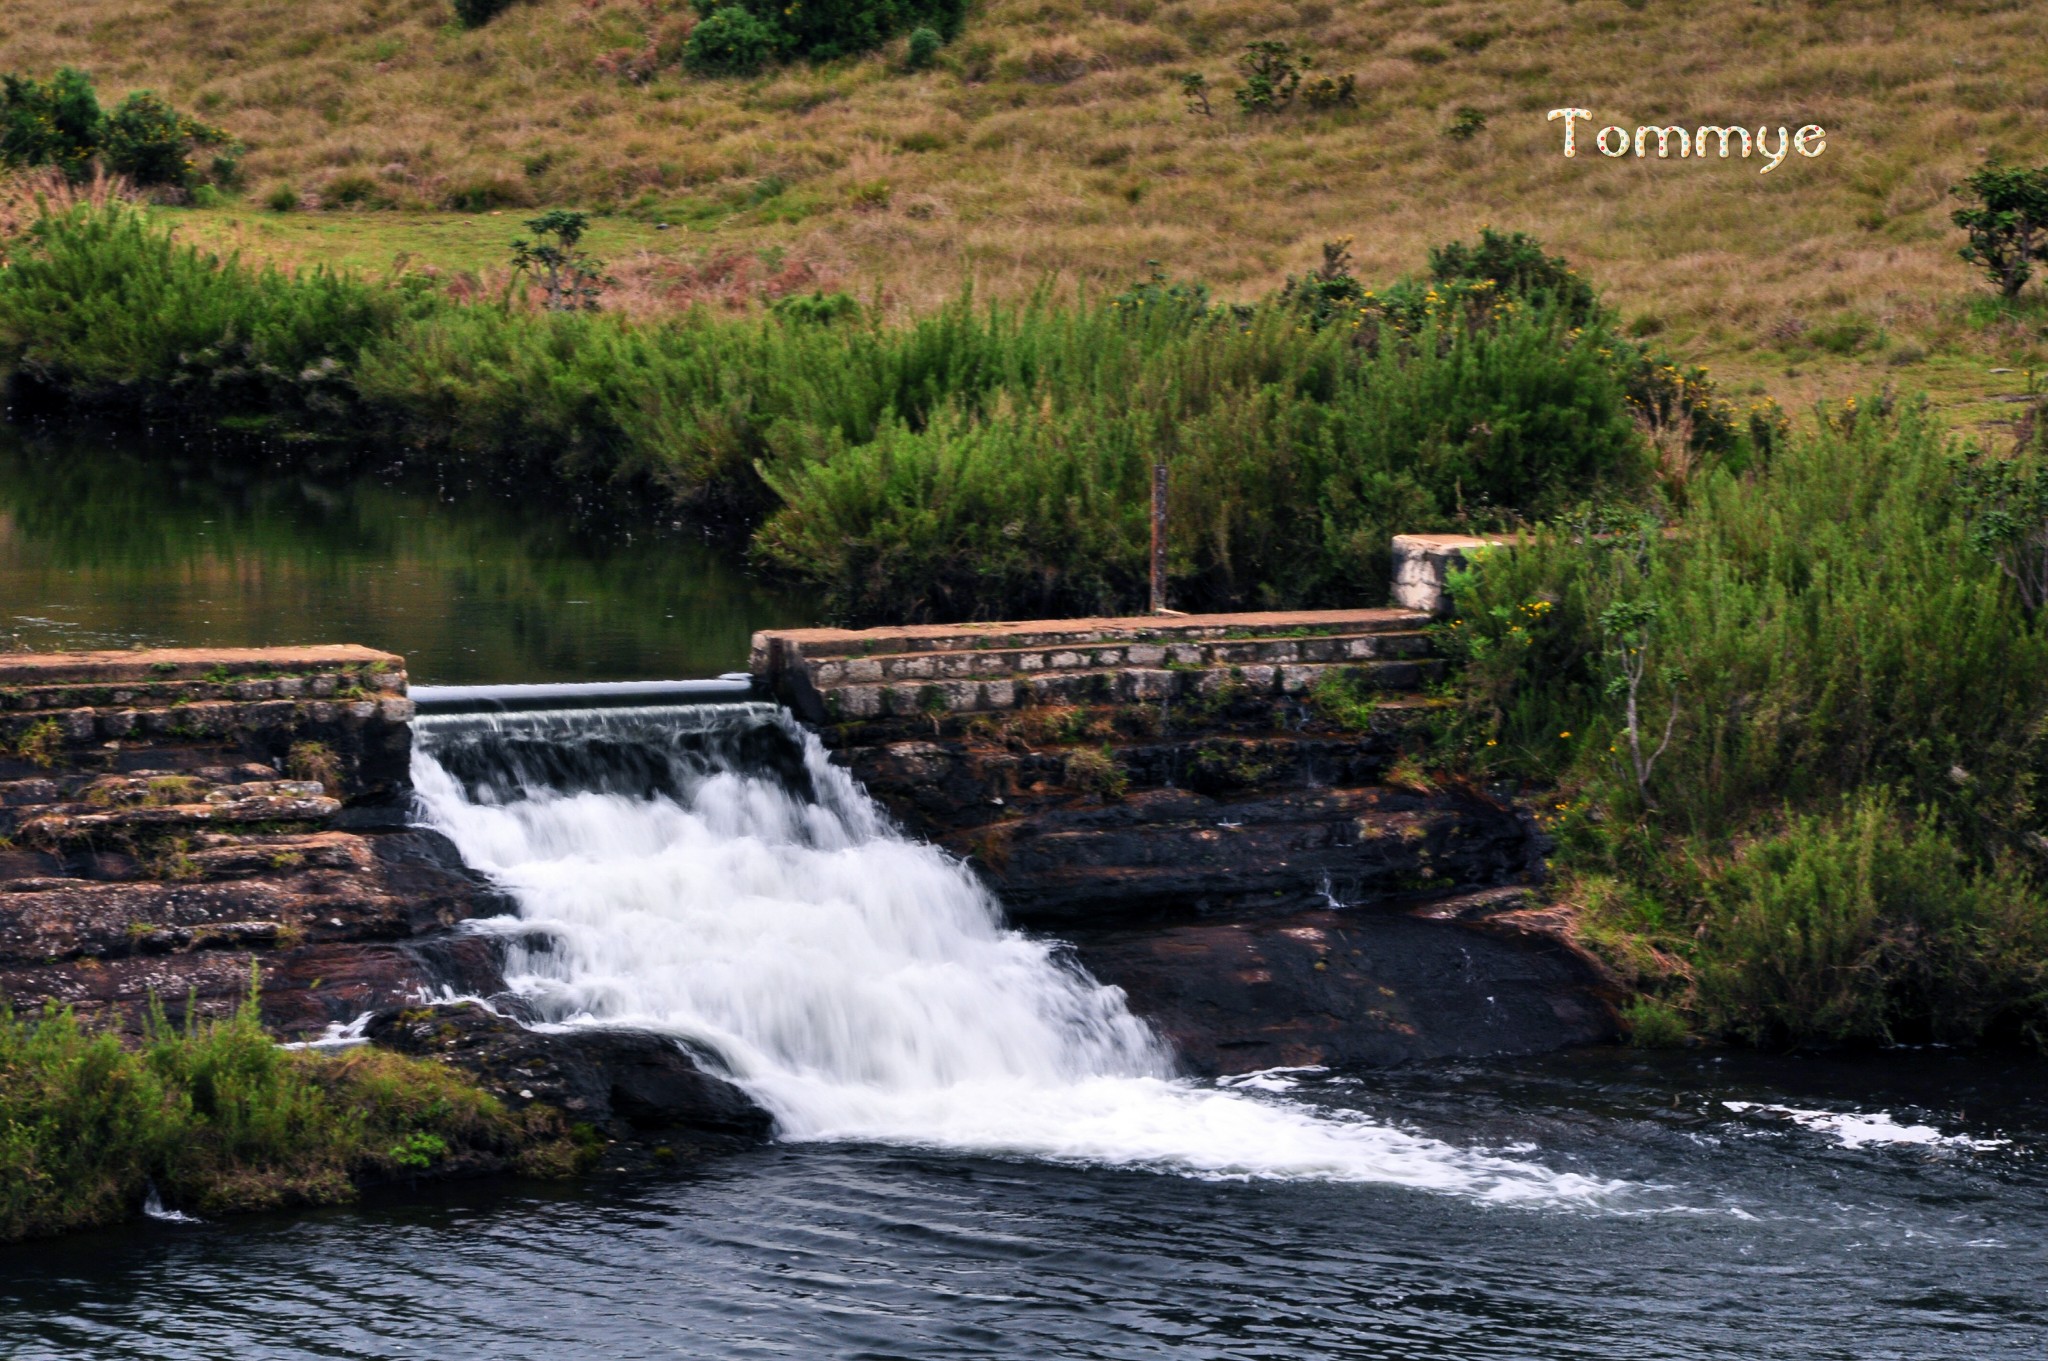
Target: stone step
x: 1126, y: 685
x: 163, y: 694
x: 1027, y: 661
x: 779, y: 648
x: 217, y: 665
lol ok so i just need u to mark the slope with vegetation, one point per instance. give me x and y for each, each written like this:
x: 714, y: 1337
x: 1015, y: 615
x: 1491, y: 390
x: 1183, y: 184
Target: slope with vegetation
x: 1055, y: 137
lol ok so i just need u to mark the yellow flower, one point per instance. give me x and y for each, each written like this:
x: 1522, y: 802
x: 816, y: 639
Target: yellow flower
x: 1564, y: 734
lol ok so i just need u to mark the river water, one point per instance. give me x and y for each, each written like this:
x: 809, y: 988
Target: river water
x: 981, y: 1153
x: 127, y: 541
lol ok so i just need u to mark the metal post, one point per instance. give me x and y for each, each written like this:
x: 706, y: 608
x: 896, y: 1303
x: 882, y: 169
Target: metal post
x: 1159, y: 538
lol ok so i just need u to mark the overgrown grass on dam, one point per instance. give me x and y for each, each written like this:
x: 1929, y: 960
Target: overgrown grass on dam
x: 1842, y: 841
x: 219, y: 1119
x: 984, y: 461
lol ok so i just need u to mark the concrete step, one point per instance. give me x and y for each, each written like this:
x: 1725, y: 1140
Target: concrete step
x: 1018, y: 662
x: 1124, y: 685
x: 777, y: 648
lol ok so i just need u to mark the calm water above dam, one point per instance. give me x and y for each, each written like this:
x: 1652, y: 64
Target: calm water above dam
x: 107, y: 544
x: 980, y: 1159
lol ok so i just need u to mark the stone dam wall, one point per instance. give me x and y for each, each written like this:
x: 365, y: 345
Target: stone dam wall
x: 169, y: 820
x: 1225, y: 815
x: 1222, y: 813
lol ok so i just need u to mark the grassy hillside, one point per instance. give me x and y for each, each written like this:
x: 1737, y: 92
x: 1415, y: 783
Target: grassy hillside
x: 1053, y: 138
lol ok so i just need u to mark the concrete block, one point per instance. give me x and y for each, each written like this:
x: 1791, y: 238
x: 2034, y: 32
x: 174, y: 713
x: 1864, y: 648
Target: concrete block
x: 865, y: 670
x: 1260, y: 678
x: 1421, y: 562
x: 1143, y: 684
x: 1145, y: 654
x: 1066, y: 659
x: 1295, y: 679
x: 999, y: 694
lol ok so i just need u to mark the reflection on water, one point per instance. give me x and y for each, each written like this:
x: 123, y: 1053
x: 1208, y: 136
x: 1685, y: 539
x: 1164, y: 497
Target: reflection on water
x: 118, y: 543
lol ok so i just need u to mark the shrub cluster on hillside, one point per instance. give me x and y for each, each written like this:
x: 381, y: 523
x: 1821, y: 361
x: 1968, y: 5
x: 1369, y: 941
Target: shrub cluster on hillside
x: 60, y: 123
x: 216, y: 1118
x: 982, y: 462
x: 1800, y: 740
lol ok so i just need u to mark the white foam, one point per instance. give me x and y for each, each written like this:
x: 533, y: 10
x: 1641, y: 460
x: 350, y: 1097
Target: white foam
x: 1856, y: 1129
x: 862, y: 987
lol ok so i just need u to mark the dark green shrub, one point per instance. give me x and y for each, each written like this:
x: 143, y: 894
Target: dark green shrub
x: 61, y: 124
x: 1516, y: 265
x: 153, y: 144
x: 817, y: 308
x: 1331, y: 92
x: 923, y: 50
x: 57, y: 124
x: 282, y: 198
x: 477, y: 13
x: 218, y: 1118
x: 355, y: 189
x: 104, y: 307
x: 486, y: 192
x: 733, y: 41
x: 1834, y: 842
x: 772, y: 30
x: 1466, y: 124
x: 1864, y: 924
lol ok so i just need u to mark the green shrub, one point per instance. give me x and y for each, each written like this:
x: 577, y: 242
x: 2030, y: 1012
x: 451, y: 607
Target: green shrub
x: 477, y: 13
x: 61, y: 124
x: 1846, y: 679
x: 486, y: 192
x: 734, y: 41
x: 282, y: 198
x: 739, y: 37
x: 1466, y: 123
x: 152, y: 143
x: 106, y: 308
x: 817, y: 308
x: 923, y: 50
x: 1868, y: 925
x: 218, y: 1118
x: 58, y: 124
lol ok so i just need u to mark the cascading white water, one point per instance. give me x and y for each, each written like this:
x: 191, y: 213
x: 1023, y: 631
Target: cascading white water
x: 861, y: 986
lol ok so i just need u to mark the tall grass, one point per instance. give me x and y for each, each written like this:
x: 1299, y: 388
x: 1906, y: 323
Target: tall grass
x: 1843, y: 839
x: 985, y: 461
x: 218, y: 1118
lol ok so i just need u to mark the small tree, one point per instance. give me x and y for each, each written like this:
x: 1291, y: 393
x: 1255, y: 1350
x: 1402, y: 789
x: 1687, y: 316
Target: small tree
x: 1272, y: 73
x: 570, y: 280
x: 2008, y: 225
x: 1630, y: 627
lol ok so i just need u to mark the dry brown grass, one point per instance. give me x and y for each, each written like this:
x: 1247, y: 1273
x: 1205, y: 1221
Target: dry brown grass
x: 1054, y: 140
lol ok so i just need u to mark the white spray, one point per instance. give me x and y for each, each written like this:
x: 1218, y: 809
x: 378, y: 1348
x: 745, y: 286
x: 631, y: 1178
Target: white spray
x: 859, y: 985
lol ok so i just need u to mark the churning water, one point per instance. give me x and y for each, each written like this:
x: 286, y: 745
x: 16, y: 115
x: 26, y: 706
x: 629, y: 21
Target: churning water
x: 973, y: 1137
x: 707, y: 873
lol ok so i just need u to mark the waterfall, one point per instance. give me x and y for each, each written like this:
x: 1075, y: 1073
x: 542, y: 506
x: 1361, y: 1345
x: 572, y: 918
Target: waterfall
x: 707, y: 873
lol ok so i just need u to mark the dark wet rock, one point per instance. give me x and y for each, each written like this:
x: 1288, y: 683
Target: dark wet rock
x: 1354, y: 987
x: 622, y: 1082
